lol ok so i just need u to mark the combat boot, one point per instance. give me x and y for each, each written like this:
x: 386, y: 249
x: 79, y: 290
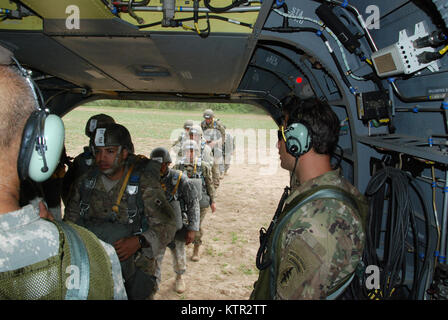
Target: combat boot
x: 195, y: 256
x: 180, y: 284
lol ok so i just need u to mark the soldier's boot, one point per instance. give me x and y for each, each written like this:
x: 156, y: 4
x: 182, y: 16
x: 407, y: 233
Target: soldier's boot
x: 180, y: 284
x: 195, y: 256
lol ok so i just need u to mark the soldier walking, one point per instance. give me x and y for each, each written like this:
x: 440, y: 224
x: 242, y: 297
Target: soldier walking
x: 199, y: 173
x: 183, y: 197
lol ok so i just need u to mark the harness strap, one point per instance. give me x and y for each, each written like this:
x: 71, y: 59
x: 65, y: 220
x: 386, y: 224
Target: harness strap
x: 79, y: 258
x: 86, y: 191
x: 341, y: 289
x: 115, y: 208
x: 177, y: 184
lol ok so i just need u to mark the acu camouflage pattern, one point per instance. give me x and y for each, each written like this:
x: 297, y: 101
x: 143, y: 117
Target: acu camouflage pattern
x: 191, y: 170
x: 321, y: 245
x: 185, y: 192
x: 34, y: 257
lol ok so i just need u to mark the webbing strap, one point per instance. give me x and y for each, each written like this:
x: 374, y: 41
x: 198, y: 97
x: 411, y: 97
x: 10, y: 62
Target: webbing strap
x: 336, y: 294
x: 79, y: 258
x: 115, y: 208
x: 177, y: 184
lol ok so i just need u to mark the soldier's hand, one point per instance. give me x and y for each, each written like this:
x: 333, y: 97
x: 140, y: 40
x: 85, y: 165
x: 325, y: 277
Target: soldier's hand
x: 213, y: 206
x: 126, y: 247
x: 189, y: 237
x: 44, y: 212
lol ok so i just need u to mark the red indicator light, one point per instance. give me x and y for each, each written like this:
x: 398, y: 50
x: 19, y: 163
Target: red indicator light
x: 299, y: 80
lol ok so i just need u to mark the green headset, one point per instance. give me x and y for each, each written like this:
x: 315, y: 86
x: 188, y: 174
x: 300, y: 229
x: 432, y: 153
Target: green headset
x: 42, y: 138
x: 297, y: 138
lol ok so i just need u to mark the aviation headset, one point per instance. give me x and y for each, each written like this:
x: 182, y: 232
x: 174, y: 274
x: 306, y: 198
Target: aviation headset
x: 297, y: 135
x: 297, y: 138
x: 42, y: 138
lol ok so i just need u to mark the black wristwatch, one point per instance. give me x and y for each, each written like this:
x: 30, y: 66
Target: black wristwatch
x: 142, y: 241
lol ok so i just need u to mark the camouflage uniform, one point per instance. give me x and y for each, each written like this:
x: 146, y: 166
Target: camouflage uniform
x: 157, y: 213
x: 215, y: 131
x: 188, y: 124
x: 186, y: 196
x: 26, y: 239
x: 319, y: 246
x: 191, y: 171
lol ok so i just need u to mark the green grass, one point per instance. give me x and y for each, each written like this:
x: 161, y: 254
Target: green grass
x: 181, y: 105
x: 145, y: 124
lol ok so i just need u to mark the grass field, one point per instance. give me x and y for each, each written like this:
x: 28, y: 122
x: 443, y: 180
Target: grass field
x: 147, y: 125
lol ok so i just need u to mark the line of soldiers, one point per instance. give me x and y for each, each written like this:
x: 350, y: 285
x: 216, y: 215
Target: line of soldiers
x: 215, y: 144
x: 142, y: 206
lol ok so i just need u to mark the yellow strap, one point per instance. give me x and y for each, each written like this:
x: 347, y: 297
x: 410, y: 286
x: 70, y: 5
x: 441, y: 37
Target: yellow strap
x: 185, y: 27
x: 123, y: 187
x: 444, y: 50
x: 196, y: 25
x: 195, y: 165
x: 177, y: 184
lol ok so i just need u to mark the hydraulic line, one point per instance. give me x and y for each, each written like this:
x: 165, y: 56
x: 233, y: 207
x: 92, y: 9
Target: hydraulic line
x: 445, y: 109
x: 223, y: 9
x: 434, y: 189
x: 437, y: 97
x: 324, y: 39
x: 442, y: 256
x: 132, y: 14
x: 320, y: 24
x: 190, y: 9
x: 179, y: 22
x: 361, y: 21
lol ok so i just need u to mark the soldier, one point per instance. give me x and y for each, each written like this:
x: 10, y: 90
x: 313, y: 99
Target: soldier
x: 215, y: 135
x: 228, y: 152
x: 85, y: 160
x: 200, y: 174
x: 177, y: 145
x: 122, y: 202
x: 39, y: 257
x: 183, y: 197
x: 206, y: 153
x: 315, y: 242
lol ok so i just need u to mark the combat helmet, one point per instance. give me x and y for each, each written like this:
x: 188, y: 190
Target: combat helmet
x: 97, y: 121
x: 188, y: 124
x: 160, y: 154
x: 196, y: 129
x: 208, y: 114
x: 112, y: 134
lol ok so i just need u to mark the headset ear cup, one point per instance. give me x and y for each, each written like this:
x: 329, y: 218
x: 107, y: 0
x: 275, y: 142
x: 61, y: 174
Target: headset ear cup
x: 27, y: 144
x: 293, y: 146
x: 298, y: 141
x: 42, y: 166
